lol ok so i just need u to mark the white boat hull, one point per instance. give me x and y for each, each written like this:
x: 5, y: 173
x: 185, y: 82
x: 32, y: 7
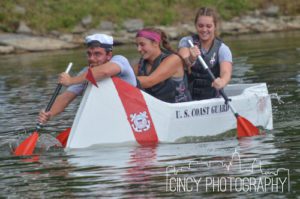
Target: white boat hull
x: 103, y: 118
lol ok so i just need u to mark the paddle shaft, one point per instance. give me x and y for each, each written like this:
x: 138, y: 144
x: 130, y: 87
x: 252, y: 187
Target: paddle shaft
x: 212, y: 78
x: 28, y: 145
x: 54, y: 96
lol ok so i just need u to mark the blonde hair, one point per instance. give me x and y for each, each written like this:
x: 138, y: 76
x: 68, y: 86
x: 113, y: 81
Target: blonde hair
x: 210, y: 12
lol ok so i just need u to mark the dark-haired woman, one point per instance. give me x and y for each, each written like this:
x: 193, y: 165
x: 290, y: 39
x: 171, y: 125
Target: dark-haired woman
x: 160, y: 71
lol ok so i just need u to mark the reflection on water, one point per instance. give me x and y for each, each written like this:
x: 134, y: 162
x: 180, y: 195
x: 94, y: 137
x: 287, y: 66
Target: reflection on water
x: 130, y: 171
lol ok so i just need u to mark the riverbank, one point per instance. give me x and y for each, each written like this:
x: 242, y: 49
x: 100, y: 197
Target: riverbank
x: 27, y: 40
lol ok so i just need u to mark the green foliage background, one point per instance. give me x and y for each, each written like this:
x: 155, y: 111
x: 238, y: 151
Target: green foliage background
x: 46, y: 15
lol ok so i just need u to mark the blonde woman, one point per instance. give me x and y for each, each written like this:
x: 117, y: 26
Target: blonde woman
x: 215, y: 53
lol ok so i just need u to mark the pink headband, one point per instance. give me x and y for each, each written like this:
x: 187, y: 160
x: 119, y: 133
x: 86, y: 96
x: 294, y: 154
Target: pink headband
x: 148, y: 34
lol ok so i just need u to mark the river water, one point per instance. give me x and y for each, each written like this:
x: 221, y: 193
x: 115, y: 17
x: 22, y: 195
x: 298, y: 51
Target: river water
x: 263, y: 166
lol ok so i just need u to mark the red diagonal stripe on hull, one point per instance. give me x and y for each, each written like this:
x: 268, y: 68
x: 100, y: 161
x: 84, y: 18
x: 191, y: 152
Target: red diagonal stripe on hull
x: 90, y: 77
x: 137, y: 112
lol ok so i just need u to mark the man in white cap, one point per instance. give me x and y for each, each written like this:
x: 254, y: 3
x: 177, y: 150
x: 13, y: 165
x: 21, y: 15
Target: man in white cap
x: 102, y: 63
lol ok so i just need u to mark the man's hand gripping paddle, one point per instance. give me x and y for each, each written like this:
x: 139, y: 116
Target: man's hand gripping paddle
x: 28, y: 145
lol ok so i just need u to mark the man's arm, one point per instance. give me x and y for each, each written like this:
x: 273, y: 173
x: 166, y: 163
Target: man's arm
x: 108, y: 69
x: 61, y: 102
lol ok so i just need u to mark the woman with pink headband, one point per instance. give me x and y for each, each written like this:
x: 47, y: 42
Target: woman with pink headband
x: 160, y: 71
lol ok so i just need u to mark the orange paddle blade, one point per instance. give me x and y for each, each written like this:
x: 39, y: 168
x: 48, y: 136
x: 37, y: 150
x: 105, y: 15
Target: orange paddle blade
x: 28, y: 145
x: 63, y: 137
x: 246, y: 128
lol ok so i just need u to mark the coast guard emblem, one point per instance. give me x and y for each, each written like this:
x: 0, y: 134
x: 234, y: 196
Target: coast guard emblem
x: 140, y: 122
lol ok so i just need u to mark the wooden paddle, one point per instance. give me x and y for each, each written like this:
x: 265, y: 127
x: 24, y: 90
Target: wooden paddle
x: 28, y: 145
x: 244, y: 127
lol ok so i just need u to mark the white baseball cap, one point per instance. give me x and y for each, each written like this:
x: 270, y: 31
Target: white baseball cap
x: 106, y: 41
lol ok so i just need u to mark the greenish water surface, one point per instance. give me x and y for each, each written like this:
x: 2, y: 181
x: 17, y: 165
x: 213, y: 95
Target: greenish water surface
x: 130, y: 171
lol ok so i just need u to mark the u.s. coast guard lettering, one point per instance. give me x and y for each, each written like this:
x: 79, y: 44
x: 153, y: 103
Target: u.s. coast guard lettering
x: 201, y: 111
